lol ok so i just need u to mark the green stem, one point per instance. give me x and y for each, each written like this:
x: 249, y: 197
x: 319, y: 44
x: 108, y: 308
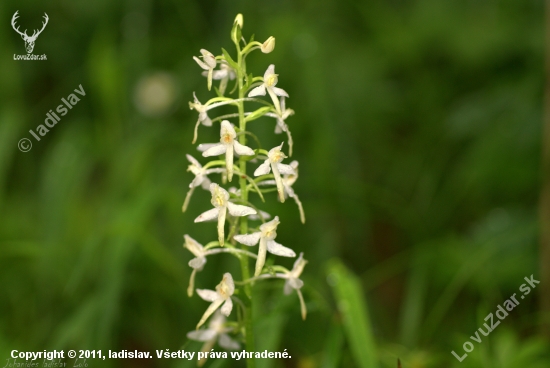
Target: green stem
x: 245, y: 270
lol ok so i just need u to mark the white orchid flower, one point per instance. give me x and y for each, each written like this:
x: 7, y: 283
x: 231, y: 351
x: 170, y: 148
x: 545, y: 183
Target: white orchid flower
x: 293, y: 282
x: 288, y: 180
x: 216, y: 331
x: 222, y: 295
x: 221, y: 203
x: 200, y: 254
x: 201, y: 178
x: 281, y: 126
x: 224, y: 74
x: 266, y: 236
x: 208, y: 63
x: 269, y: 83
x: 204, y: 119
x: 273, y: 163
x: 227, y: 145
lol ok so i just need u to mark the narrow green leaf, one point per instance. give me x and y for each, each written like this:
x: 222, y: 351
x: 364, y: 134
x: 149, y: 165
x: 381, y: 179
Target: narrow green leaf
x: 353, y: 308
x: 229, y: 60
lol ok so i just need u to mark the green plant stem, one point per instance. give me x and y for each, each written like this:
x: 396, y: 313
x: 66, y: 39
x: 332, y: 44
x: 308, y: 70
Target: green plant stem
x: 247, y: 300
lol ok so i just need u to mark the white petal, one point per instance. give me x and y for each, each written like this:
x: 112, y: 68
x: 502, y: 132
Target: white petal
x: 269, y: 71
x: 205, y: 183
x: 208, y: 215
x: 285, y: 169
x: 258, y: 91
x: 201, y: 63
x: 202, y: 335
x: 229, y: 283
x: 238, y: 210
x: 216, y: 150
x: 295, y: 283
x: 193, y: 161
x: 288, y: 288
x: 263, y: 169
x: 248, y: 239
x: 227, y: 342
x: 197, y: 262
x: 205, y: 120
x: 226, y: 127
x: 242, y: 150
x: 227, y: 307
x: 275, y: 248
x: 279, y: 91
x: 204, y: 146
x: 197, y: 181
x: 208, y: 295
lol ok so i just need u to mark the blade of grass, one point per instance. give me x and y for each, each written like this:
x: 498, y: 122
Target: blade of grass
x: 352, y: 306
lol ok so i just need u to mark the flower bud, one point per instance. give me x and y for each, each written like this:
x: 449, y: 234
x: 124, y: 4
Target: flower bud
x: 268, y: 45
x: 239, y: 20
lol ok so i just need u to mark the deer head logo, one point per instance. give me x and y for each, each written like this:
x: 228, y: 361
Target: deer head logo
x: 29, y: 40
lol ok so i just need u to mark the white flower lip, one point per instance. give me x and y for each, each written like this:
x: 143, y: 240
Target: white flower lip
x: 227, y: 145
x: 222, y: 295
x: 266, y: 236
x: 221, y: 203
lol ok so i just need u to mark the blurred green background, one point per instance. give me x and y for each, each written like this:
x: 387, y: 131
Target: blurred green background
x: 418, y: 132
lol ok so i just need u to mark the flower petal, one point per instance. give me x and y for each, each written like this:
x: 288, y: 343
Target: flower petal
x: 216, y: 150
x: 295, y: 283
x: 201, y: 63
x: 238, y: 210
x: 269, y: 71
x: 208, y: 295
x: 202, y: 335
x: 242, y: 150
x: 278, y: 249
x: 285, y: 169
x: 193, y: 160
x: 227, y: 307
x: 279, y: 91
x: 248, y: 239
x: 197, y: 262
x: 208, y: 215
x: 263, y: 169
x: 227, y: 342
x: 258, y: 91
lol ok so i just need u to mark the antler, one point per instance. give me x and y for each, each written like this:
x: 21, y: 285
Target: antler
x: 36, y: 33
x: 13, y: 19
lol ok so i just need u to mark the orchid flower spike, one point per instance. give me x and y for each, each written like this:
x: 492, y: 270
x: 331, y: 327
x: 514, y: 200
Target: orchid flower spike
x: 281, y: 126
x: 226, y: 145
x: 201, y: 178
x: 216, y: 331
x: 221, y: 203
x: 273, y: 163
x: 222, y: 295
x: 288, y: 180
x: 208, y: 64
x: 269, y: 83
x: 224, y: 74
x: 266, y: 236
